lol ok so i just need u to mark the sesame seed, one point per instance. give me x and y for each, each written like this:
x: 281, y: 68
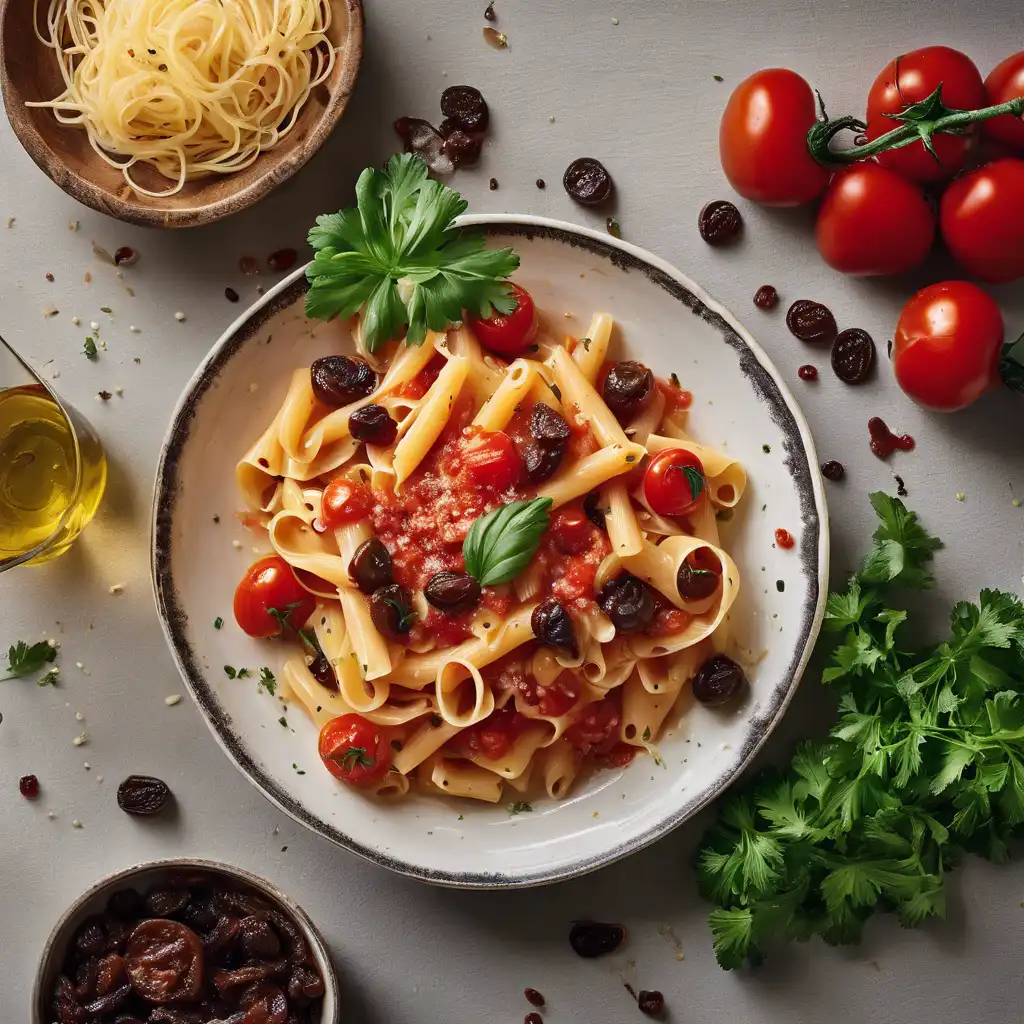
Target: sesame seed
x: 117, y: 588
x: 76, y: 320
x: 134, y: 329
x: 237, y: 545
x: 179, y: 316
x: 172, y: 699
x: 51, y: 815
x: 76, y: 824
x: 93, y: 325
x: 960, y: 496
x: 615, y: 21
x: 86, y: 765
x: 80, y: 741
x: 79, y: 717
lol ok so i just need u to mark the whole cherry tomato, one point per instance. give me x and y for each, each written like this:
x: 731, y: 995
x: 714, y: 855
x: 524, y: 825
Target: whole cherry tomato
x: 1004, y: 83
x: 492, y: 460
x: 872, y: 221
x: 982, y: 220
x: 508, y: 334
x: 946, y: 350
x: 674, y: 482
x: 269, y: 598
x: 355, y: 750
x: 762, y: 140
x: 345, y: 502
x: 909, y: 79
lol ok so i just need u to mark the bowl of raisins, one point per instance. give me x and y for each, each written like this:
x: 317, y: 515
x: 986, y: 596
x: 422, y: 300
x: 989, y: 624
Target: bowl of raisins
x: 185, y: 942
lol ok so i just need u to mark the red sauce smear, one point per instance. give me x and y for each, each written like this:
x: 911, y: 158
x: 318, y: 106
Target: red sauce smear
x: 784, y: 538
x: 884, y: 442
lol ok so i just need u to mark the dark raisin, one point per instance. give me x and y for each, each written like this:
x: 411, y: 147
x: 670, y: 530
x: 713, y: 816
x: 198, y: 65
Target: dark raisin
x: 117, y: 934
x: 281, y: 260
x: 533, y: 1018
x: 811, y: 322
x: 201, y: 914
x: 695, y: 584
x: 541, y: 183
x: 230, y: 294
x: 720, y: 222
x: 548, y: 425
x: 462, y: 148
x: 87, y: 975
x: 593, y: 511
x: 808, y: 373
x: 628, y: 387
x: 249, y: 974
x: 833, y: 470
x: 111, y: 974
x: 540, y: 460
x: 258, y: 938
x: 627, y: 601
x: 452, y: 591
x: 222, y: 935
x: 370, y: 567
x: 125, y: 256
x: 423, y: 139
x: 652, y: 1004
x: 265, y: 1004
x: 853, y: 356
x: 593, y: 938
x: 533, y: 997
x: 493, y: 184
x: 142, y: 794
x: 126, y: 904
x: 28, y: 787
x: 69, y: 1010
x: 167, y: 902
x: 766, y: 297
x: 718, y: 681
x: 391, y: 611
x: 552, y: 625
x: 374, y: 425
x: 338, y: 380
x: 588, y: 182
x: 489, y: 13
x: 111, y: 1001
x: 323, y: 672
x: 165, y: 961
x: 90, y: 939
x: 304, y: 985
x: 466, y: 107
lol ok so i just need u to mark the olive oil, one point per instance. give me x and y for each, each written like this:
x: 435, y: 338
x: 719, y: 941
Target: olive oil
x: 49, y: 486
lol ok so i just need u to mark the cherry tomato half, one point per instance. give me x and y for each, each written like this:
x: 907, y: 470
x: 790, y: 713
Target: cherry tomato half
x: 269, y: 597
x: 982, y: 219
x: 674, y: 482
x: 508, y: 334
x: 355, y: 750
x: 345, y: 502
x: 762, y: 140
x: 1004, y: 83
x: 492, y: 460
x: 946, y: 350
x: 909, y: 79
x: 872, y: 221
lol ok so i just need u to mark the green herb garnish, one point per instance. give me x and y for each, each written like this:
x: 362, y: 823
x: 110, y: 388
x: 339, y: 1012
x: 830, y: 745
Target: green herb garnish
x: 50, y: 679
x: 519, y: 807
x: 926, y: 762
x: 90, y: 350
x: 283, y: 722
x: 354, y: 757
x: 674, y: 377
x: 501, y: 543
x: 231, y: 672
x: 401, y: 230
x: 283, y: 615
x: 266, y: 681
x: 218, y: 623
x: 23, y: 659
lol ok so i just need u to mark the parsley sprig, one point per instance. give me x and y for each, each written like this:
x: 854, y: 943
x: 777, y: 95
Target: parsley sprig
x: 401, y: 230
x: 925, y: 762
x: 25, y: 659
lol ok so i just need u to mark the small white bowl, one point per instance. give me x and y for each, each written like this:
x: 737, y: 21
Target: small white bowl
x: 741, y: 404
x: 144, y: 876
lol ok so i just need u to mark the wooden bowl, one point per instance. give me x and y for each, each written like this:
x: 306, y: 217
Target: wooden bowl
x: 28, y: 72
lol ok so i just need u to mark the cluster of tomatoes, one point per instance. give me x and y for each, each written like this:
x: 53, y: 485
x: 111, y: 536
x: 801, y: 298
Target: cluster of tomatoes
x: 882, y: 214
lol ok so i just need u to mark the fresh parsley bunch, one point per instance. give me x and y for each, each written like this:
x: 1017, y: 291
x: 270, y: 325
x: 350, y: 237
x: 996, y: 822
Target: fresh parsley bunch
x: 401, y: 231
x: 926, y: 761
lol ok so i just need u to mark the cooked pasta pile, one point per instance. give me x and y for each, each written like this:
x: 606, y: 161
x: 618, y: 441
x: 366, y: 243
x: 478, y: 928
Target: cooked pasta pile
x: 187, y: 87
x: 474, y: 702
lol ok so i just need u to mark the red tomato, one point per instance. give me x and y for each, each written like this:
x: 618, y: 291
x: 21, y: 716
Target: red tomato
x: 982, y: 220
x: 946, y: 350
x: 762, y: 140
x: 493, y: 737
x: 674, y: 482
x: 508, y: 334
x: 269, y: 584
x: 492, y: 460
x: 345, y: 502
x: 872, y: 221
x: 911, y: 78
x: 570, y: 530
x: 1004, y: 83
x: 355, y: 750
x: 598, y: 728
x: 558, y: 697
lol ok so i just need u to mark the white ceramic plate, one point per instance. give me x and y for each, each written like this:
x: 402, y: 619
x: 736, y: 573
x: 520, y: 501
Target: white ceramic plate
x: 741, y: 405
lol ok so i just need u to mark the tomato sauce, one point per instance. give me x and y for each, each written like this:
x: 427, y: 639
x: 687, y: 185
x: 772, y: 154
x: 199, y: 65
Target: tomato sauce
x: 677, y: 399
x: 784, y: 539
x: 570, y: 578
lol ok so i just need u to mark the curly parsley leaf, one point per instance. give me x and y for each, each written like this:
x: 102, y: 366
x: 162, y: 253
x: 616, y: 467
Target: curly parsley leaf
x: 25, y: 659
x: 925, y: 763
x: 501, y: 543
x: 397, y: 258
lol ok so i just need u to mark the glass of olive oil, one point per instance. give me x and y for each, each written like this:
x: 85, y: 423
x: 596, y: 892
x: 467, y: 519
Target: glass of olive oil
x: 52, y: 467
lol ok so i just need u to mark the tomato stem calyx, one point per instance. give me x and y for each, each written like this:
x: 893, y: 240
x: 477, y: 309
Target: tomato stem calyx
x: 1011, y: 364
x: 919, y: 122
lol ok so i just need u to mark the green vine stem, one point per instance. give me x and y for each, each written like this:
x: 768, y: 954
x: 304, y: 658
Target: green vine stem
x: 1011, y: 364
x: 919, y: 122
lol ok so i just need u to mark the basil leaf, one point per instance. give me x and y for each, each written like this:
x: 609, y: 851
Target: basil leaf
x: 501, y: 543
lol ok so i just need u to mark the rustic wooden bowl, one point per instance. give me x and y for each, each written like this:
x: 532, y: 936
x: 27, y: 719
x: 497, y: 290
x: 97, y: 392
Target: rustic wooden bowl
x: 28, y: 72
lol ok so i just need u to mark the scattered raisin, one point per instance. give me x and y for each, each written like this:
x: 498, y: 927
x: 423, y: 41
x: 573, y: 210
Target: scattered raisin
x: 533, y: 997
x: 142, y: 794
x: 28, y: 786
x: 833, y: 470
x: 720, y: 222
x: 652, y: 1004
x: 125, y: 256
x: 588, y: 181
x: 230, y: 294
x: 466, y: 108
x: 811, y: 322
x: 808, y: 373
x: 853, y: 356
x: 281, y: 260
x: 593, y: 938
x: 766, y: 297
